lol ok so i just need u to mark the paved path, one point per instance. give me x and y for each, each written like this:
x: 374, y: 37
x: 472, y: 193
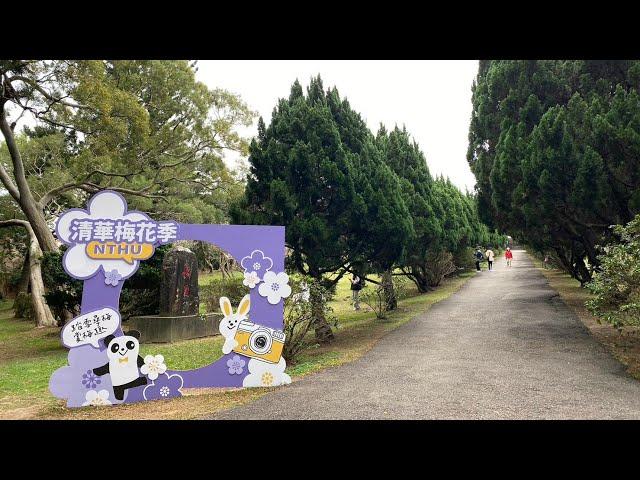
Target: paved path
x: 503, y: 347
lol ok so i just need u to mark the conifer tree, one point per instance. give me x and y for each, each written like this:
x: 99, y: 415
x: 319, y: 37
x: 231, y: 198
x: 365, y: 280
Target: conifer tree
x: 316, y: 169
x: 554, y: 146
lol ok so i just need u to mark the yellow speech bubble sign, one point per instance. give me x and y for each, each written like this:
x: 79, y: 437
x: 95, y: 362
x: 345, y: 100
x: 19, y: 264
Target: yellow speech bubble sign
x: 119, y: 251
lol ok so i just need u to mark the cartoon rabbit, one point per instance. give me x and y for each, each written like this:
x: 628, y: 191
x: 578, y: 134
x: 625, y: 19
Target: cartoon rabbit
x: 229, y: 324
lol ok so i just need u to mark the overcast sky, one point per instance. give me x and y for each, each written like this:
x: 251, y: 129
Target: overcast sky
x: 431, y: 97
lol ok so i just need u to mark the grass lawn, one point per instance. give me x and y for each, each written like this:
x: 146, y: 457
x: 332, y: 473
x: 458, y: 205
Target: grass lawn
x: 624, y: 345
x: 28, y: 356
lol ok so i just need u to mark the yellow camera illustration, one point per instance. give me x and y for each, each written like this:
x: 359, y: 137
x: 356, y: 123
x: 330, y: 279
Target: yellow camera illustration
x: 259, y: 342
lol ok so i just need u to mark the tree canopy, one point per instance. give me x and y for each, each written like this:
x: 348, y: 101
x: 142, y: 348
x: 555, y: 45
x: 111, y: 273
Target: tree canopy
x: 146, y: 129
x: 443, y: 218
x: 352, y: 201
x: 554, y: 146
x: 316, y: 169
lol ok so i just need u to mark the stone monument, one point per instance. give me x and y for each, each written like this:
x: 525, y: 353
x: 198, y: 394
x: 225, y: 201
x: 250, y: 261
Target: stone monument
x: 179, y: 286
x: 179, y: 317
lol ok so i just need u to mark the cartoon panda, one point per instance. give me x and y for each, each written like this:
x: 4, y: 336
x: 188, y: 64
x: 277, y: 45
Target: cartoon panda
x: 124, y: 362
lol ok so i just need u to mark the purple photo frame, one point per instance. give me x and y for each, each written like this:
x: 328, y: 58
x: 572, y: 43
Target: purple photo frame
x: 90, y: 378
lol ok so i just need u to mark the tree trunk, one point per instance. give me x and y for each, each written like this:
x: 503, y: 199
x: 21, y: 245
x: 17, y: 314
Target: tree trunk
x: 390, y: 299
x: 41, y: 239
x: 35, y: 214
x: 564, y: 261
x: 323, y: 331
x: 423, y: 285
x: 21, y: 191
x: 576, y: 268
x: 420, y: 279
x: 582, y: 272
x: 23, y: 284
x: 41, y: 312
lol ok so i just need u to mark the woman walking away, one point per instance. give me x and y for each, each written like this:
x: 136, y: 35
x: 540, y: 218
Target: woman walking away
x: 479, y: 257
x: 489, y: 254
x: 508, y: 255
x: 356, y: 286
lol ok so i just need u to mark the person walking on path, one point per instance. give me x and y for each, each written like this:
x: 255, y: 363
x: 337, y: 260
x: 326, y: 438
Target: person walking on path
x: 356, y: 286
x: 478, y: 257
x: 489, y: 254
x: 508, y: 255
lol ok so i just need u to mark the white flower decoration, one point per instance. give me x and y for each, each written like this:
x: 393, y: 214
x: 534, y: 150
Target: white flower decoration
x: 153, y: 366
x: 97, y: 399
x: 76, y: 261
x: 275, y: 286
x: 264, y: 374
x: 251, y: 279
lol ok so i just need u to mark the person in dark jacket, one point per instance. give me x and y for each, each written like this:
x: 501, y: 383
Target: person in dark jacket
x: 478, y: 257
x: 356, y: 286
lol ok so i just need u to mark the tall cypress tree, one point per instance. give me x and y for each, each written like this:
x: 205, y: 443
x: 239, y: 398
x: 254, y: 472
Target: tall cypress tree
x: 554, y: 146
x: 316, y: 170
x: 386, y: 228
x: 383, y: 226
x: 406, y: 160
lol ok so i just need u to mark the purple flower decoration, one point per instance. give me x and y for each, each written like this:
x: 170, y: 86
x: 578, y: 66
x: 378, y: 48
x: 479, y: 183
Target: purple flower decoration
x: 112, y: 278
x: 90, y: 379
x: 165, y: 386
x: 67, y: 382
x: 256, y: 262
x: 235, y: 365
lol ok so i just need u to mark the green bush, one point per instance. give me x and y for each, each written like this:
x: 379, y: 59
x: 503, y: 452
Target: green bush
x: 137, y: 302
x: 13, y: 279
x: 464, y: 258
x: 374, y: 297
x: 401, y: 286
x: 140, y: 293
x: 63, y: 292
x: 299, y: 315
x: 232, y: 288
x: 616, y: 285
x: 22, y: 306
x: 439, y: 265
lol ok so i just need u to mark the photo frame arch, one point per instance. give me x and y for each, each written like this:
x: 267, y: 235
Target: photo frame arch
x: 106, y: 243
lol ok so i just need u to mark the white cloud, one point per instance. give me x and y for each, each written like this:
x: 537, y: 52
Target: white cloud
x: 431, y: 97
